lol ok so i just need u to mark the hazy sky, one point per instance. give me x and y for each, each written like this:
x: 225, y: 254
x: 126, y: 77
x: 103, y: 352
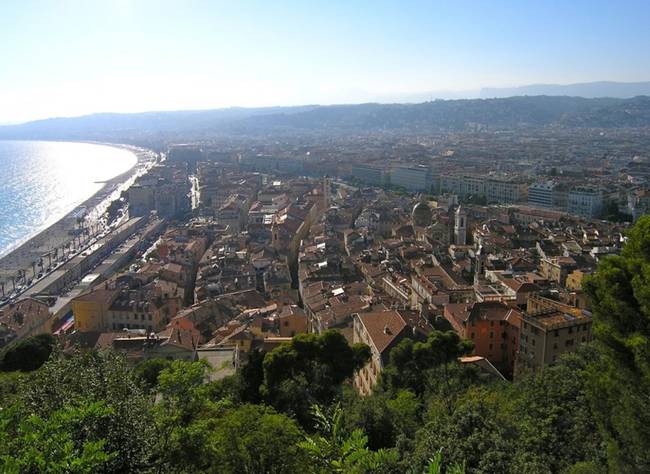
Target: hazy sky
x: 60, y: 58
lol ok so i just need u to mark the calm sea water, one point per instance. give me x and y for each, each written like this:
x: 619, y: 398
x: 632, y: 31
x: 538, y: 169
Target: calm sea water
x: 40, y: 182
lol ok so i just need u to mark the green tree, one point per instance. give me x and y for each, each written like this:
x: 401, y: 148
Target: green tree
x: 310, y: 370
x: 199, y: 433
x: 183, y: 418
x: 435, y: 466
x: 552, y: 416
x: 146, y: 372
x: 255, y: 439
x: 372, y: 415
x: 65, y: 441
x: 95, y: 379
x: 385, y: 419
x: 411, y: 363
x: 251, y: 378
x: 28, y: 354
x: 10, y: 384
x: 331, y: 449
x: 472, y: 434
x: 620, y: 380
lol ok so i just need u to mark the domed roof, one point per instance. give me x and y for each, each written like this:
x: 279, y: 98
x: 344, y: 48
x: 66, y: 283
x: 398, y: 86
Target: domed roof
x: 422, y: 214
x: 421, y: 205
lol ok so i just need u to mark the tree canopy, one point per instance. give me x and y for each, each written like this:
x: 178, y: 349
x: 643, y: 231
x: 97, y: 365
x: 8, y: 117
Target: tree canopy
x: 27, y: 354
x: 620, y: 380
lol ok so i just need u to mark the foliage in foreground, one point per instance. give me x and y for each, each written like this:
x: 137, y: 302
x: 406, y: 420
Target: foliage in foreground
x: 28, y: 354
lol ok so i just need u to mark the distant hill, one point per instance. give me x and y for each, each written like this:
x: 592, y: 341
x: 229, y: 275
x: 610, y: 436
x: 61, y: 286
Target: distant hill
x: 435, y: 116
x: 620, y: 90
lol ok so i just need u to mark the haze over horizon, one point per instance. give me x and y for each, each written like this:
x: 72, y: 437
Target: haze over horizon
x: 74, y: 58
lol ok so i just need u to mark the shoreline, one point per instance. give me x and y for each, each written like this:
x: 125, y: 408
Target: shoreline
x: 57, y: 233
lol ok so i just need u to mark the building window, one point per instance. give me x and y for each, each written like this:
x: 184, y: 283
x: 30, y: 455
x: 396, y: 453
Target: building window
x: 490, y: 346
x: 472, y: 336
x: 569, y: 342
x: 556, y: 333
x: 491, y: 334
x: 491, y: 323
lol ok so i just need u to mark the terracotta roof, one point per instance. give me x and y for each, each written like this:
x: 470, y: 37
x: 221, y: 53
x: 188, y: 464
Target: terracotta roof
x: 173, y: 268
x: 99, y: 295
x: 518, y: 285
x: 490, y: 310
x: 383, y: 327
x: 105, y: 339
x: 182, y: 338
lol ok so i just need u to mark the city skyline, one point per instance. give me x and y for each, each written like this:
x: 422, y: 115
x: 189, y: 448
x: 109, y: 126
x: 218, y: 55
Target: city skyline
x: 74, y: 58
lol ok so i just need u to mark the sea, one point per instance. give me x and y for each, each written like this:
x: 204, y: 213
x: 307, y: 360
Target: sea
x: 40, y: 182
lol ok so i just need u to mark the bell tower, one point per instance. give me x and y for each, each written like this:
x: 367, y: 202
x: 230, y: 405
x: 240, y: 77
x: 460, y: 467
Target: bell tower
x: 460, y: 226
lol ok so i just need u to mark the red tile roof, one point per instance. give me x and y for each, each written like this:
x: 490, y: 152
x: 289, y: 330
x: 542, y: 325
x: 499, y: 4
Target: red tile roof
x: 383, y: 328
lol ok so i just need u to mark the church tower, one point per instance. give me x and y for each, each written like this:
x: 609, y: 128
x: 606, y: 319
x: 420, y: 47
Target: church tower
x: 478, y: 266
x: 460, y: 226
x: 275, y: 236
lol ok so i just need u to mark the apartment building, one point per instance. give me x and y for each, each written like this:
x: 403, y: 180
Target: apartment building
x: 411, y: 178
x: 494, y: 189
x: 541, y: 194
x: 381, y: 331
x: 549, y: 329
x: 585, y: 202
x: 369, y: 174
x: 492, y: 326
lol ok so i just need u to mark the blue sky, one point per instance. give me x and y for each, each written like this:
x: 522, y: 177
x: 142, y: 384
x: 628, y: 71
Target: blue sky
x: 65, y: 57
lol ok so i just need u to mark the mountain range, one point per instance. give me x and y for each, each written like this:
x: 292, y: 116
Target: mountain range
x: 432, y: 116
x: 621, y: 90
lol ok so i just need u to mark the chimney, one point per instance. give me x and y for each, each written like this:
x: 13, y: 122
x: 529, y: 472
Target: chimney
x: 386, y: 330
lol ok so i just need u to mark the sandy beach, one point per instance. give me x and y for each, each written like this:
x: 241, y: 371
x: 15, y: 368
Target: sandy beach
x: 60, y: 233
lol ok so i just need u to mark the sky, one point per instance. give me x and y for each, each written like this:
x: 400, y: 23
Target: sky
x: 69, y: 57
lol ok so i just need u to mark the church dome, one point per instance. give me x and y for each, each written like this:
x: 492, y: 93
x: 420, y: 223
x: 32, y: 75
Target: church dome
x: 422, y: 215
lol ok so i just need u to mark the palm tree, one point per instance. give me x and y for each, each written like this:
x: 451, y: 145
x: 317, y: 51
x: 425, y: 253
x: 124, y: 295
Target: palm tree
x: 435, y: 466
x: 337, y: 451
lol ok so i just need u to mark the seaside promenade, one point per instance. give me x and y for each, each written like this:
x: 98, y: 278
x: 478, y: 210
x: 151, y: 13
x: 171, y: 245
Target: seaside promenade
x: 66, y: 238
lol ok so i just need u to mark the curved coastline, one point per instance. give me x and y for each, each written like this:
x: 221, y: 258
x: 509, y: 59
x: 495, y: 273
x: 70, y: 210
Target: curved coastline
x: 57, y: 233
